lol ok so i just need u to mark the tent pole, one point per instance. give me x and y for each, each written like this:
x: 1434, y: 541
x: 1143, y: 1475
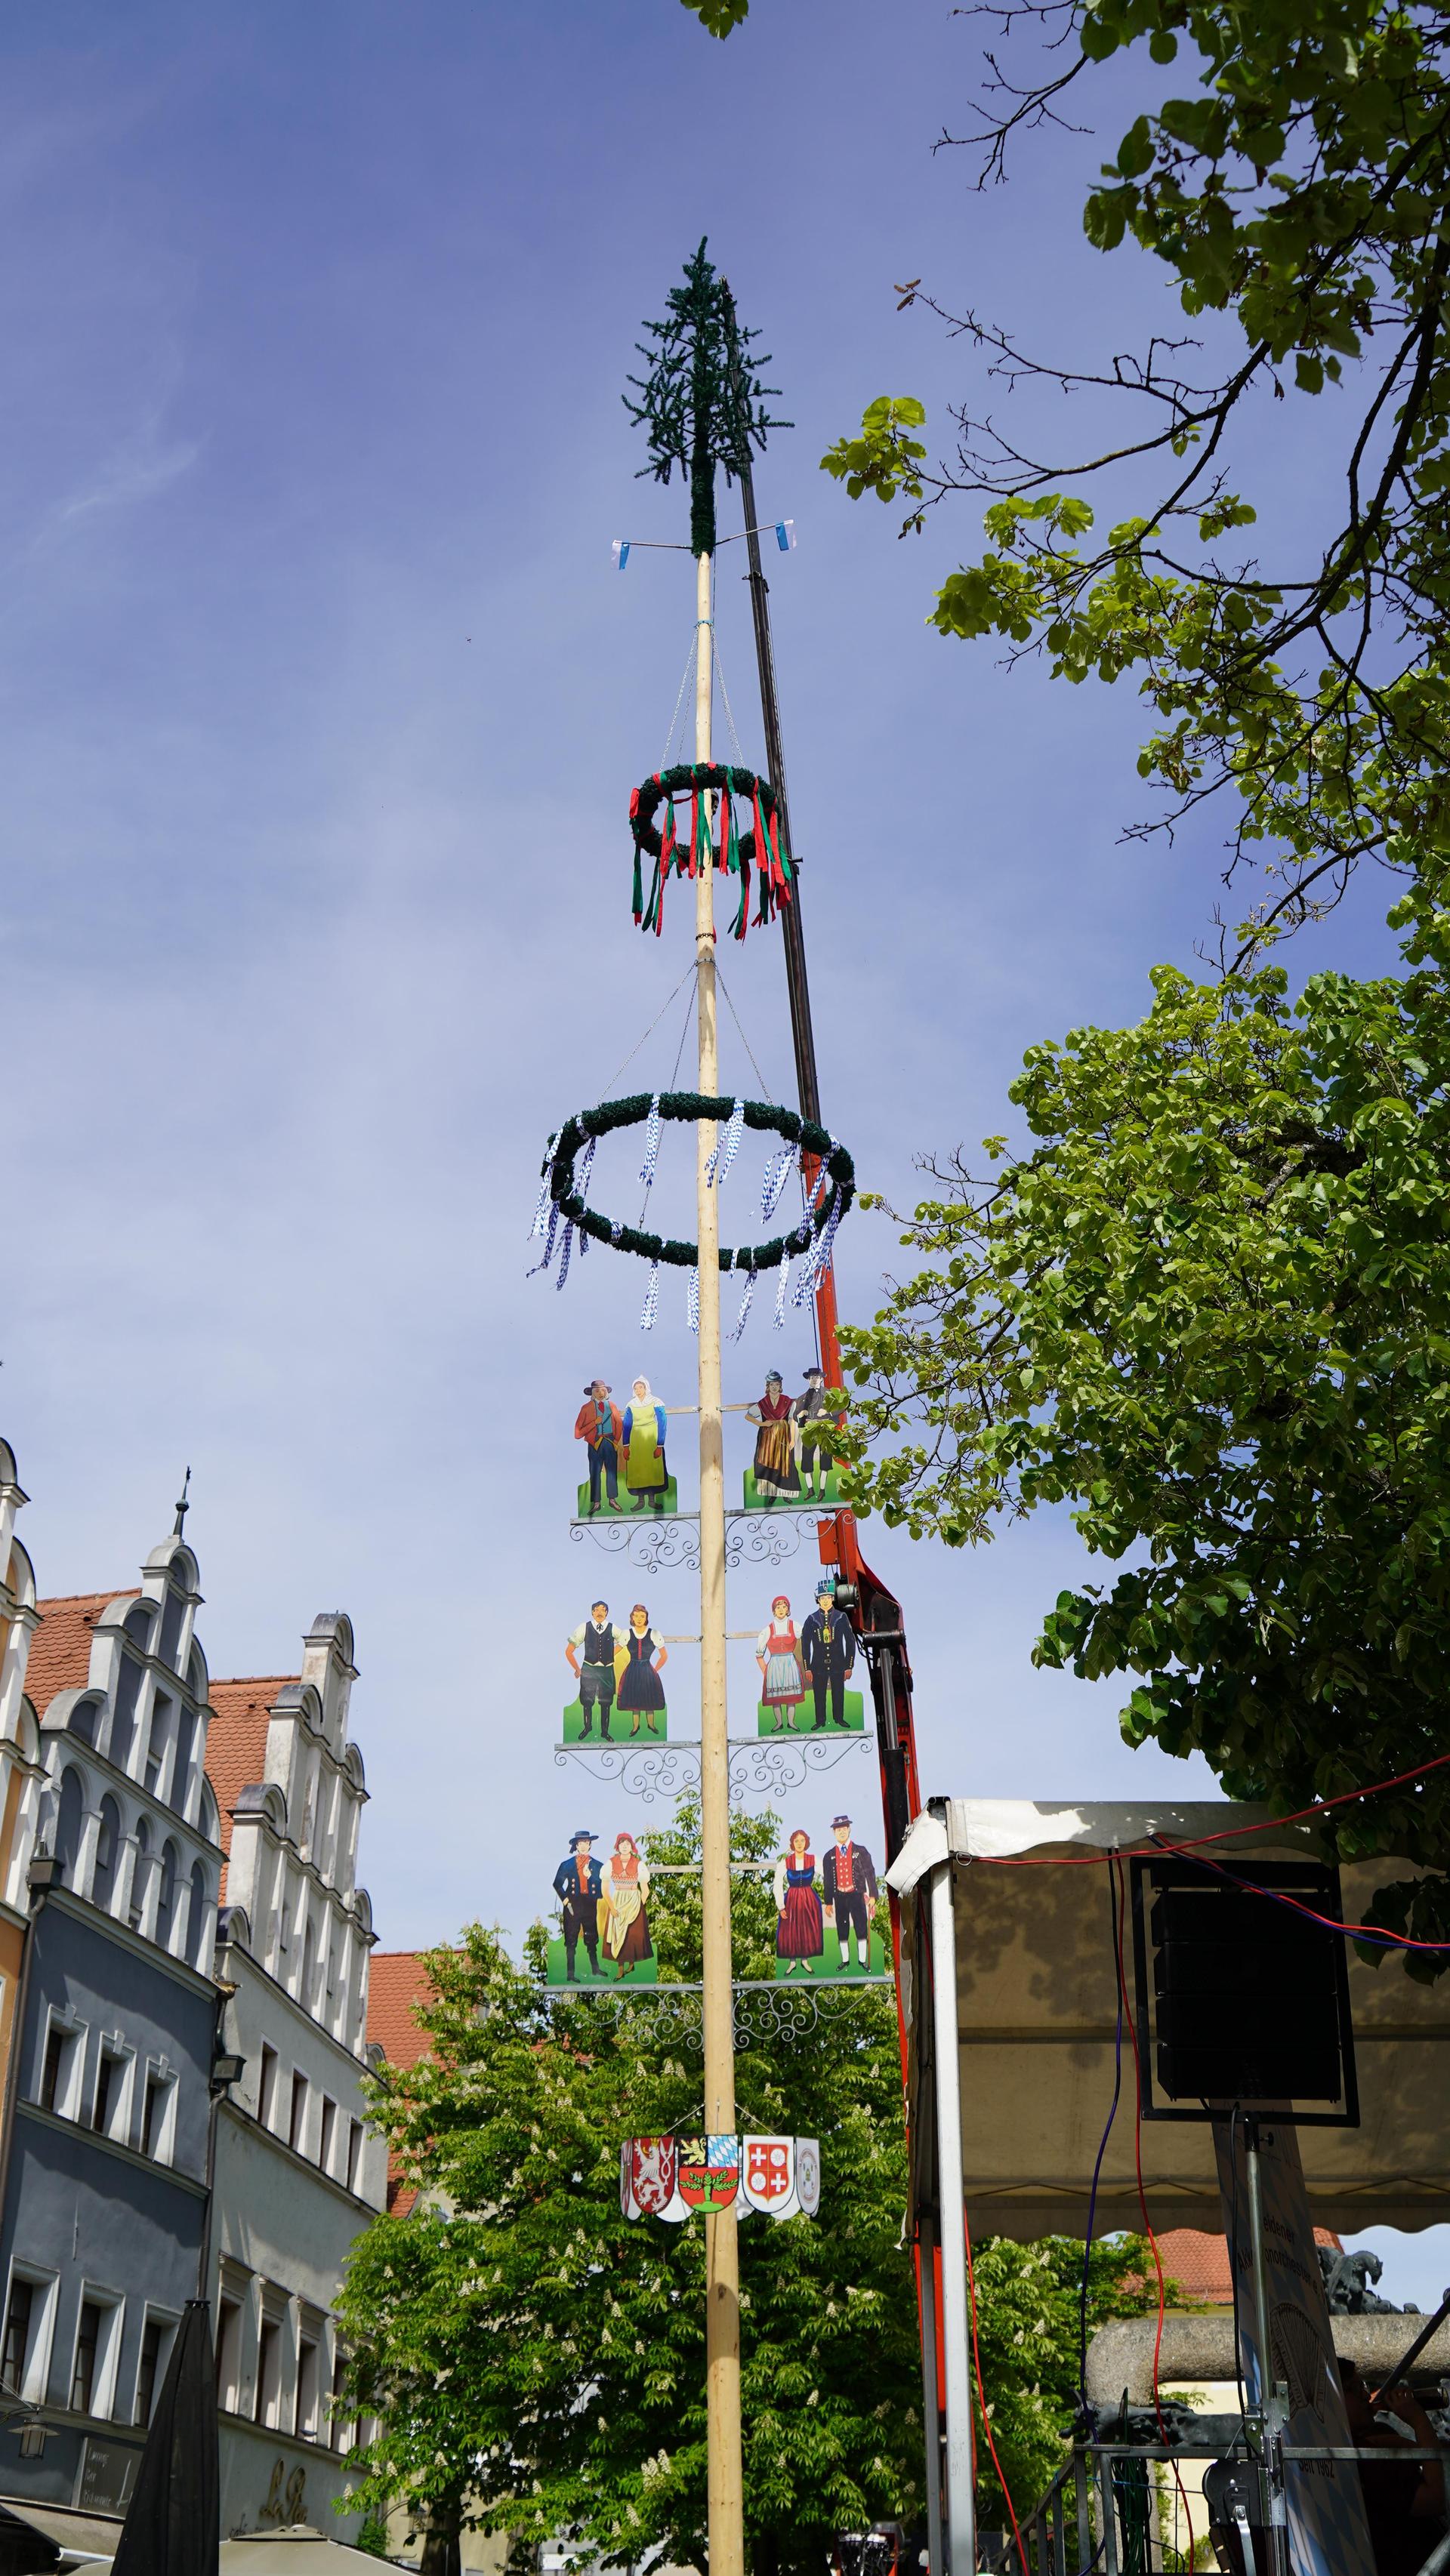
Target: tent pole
x: 930, y: 2393
x: 961, y: 2536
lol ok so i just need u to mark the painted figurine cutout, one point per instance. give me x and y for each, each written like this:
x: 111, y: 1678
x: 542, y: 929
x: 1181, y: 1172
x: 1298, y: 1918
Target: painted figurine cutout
x: 646, y: 1474
x: 624, y: 1921
x: 579, y: 1885
x: 598, y: 1422
x: 641, y: 1692
x: 848, y: 1880
x: 777, y: 1478
x: 591, y: 1655
x: 828, y: 1651
x: 813, y: 1432
x: 782, y: 1675
x: 800, y: 1929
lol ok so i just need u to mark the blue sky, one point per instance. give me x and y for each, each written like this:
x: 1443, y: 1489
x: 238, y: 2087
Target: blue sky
x: 320, y: 704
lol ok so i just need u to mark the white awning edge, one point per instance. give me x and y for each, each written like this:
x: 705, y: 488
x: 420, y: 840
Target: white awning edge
x: 925, y: 1847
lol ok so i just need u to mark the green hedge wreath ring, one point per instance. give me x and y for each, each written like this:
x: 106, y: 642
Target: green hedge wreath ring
x: 736, y: 852
x: 565, y: 1189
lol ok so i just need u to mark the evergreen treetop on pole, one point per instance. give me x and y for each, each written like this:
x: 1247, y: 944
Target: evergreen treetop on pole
x: 702, y: 402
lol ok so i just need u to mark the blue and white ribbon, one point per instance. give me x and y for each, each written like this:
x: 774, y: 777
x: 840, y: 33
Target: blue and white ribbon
x: 744, y: 1308
x: 564, y: 1256
x: 538, y: 1225
x: 777, y: 1173
x: 819, y: 1261
x: 651, y: 1144
x: 651, y: 1300
x: 733, y: 1134
x: 692, y: 1300
x: 585, y: 1168
x: 548, y: 1247
x: 780, y: 1294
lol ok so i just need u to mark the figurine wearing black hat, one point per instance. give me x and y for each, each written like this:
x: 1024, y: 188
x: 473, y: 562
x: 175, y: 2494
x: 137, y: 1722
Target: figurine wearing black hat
x: 579, y: 1885
x: 848, y: 1892
x: 598, y: 1421
x: 813, y: 1431
x: 828, y: 1651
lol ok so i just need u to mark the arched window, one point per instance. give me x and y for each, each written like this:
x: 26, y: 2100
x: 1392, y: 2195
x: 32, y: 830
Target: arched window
x: 172, y: 1618
x: 139, y: 1875
x: 82, y: 1720
x: 123, y: 1720
x: 137, y: 1624
x: 166, y: 1897
x: 181, y: 1766
x: 69, y: 1809
x: 108, y: 1843
x: 196, y: 1921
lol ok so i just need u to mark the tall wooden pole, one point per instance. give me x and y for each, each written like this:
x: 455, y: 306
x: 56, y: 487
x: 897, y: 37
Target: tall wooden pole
x: 722, y: 2251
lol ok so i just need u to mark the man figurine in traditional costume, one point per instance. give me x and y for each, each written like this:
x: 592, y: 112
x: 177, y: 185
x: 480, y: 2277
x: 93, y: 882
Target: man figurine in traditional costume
x: 646, y: 1475
x: 828, y: 1650
x: 813, y: 1432
x: 579, y: 1885
x: 597, y: 1643
x: 777, y: 1478
x: 848, y: 1890
x: 598, y: 1422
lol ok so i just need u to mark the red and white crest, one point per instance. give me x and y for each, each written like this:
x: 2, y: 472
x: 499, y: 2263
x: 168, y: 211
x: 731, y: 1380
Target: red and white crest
x: 768, y: 2181
x: 652, y: 2173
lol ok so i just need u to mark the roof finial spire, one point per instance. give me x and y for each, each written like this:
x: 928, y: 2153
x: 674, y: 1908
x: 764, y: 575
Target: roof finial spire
x: 182, y: 1505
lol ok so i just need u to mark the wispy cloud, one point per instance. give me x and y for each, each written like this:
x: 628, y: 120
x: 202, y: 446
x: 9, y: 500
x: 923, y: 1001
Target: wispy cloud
x: 140, y: 468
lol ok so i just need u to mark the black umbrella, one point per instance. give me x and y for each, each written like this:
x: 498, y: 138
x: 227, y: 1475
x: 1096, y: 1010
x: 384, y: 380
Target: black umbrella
x: 173, y: 2524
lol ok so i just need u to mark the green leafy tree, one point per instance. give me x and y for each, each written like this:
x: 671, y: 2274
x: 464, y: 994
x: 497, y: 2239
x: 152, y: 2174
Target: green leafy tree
x: 1210, y: 1310
x: 1030, y: 2314
x: 536, y: 2362
x: 1291, y: 176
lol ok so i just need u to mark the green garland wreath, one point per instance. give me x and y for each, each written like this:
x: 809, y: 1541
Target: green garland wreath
x: 738, y: 853
x: 692, y: 1107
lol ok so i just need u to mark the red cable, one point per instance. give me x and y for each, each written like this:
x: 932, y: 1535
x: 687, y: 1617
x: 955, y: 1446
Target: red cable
x: 1277, y: 1896
x: 1228, y: 1834
x: 982, y: 2399
x: 1143, y: 2207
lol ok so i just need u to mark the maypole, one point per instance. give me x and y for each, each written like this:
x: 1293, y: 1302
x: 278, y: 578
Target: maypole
x: 703, y: 406
x: 722, y: 2250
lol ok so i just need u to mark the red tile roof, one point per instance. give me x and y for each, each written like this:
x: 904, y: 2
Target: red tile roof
x: 397, y: 1981
x: 236, y: 1742
x: 1199, y: 2264
x: 60, y: 1649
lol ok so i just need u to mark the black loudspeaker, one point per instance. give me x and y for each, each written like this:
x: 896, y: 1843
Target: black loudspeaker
x: 1240, y: 1997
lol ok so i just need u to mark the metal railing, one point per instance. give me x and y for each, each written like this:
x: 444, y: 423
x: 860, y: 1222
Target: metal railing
x: 1101, y: 2515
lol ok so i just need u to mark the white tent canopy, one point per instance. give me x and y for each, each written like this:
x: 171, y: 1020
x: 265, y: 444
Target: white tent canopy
x: 1037, y: 2012
x: 1009, y: 1994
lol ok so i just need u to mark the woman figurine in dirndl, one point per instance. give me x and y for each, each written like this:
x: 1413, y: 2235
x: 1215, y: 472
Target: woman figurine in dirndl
x: 625, y: 1922
x: 782, y: 1679
x: 800, y: 1925
x: 642, y: 1430
x: 641, y: 1691
x: 777, y: 1477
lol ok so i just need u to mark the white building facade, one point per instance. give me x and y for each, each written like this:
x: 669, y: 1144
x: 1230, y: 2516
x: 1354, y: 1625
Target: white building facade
x: 296, y: 2173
